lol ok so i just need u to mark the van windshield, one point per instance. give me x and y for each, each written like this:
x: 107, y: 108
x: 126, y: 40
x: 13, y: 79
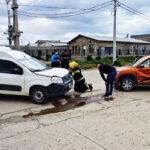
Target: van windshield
x: 33, y: 64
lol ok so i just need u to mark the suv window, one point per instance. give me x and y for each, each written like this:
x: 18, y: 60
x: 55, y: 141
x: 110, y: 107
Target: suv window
x: 146, y: 63
x: 8, y: 67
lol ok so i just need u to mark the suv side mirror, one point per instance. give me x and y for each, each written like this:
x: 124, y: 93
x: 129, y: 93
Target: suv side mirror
x: 141, y: 66
x: 18, y: 71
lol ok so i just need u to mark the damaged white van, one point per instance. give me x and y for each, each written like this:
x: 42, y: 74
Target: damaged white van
x: 21, y: 74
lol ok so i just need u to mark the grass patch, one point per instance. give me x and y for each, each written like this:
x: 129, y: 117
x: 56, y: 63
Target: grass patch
x: 90, y: 64
x: 121, y: 61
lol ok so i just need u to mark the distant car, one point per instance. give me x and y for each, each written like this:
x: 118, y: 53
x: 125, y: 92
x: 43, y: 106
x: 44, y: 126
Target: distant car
x: 137, y: 73
x: 21, y: 74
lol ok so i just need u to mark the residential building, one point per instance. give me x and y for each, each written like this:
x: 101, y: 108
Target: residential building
x: 83, y: 45
x: 42, y: 49
x: 145, y: 37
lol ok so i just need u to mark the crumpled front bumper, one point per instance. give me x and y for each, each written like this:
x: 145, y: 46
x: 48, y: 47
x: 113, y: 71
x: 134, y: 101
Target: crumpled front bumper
x: 56, y: 89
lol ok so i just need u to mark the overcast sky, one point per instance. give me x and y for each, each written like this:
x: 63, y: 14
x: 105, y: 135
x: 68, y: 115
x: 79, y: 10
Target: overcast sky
x: 64, y: 29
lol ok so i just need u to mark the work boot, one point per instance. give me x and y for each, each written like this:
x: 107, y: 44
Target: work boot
x: 105, y: 96
x: 90, y: 87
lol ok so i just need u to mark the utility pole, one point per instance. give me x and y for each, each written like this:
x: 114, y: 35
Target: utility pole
x: 114, y: 31
x: 9, y: 24
x: 16, y: 33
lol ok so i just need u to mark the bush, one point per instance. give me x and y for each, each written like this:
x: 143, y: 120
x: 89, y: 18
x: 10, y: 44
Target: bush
x: 98, y: 58
x: 89, y: 58
x: 87, y: 66
x: 117, y: 62
x: 107, y: 60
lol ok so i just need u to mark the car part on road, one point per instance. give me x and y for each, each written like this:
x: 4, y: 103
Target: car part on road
x: 127, y: 84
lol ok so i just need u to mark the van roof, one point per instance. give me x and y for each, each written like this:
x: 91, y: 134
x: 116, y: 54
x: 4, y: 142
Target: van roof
x: 9, y: 53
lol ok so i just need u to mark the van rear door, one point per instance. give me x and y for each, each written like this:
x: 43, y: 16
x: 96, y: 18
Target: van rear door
x: 11, y: 78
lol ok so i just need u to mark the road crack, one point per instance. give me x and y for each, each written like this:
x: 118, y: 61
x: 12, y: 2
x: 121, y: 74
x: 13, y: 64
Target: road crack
x: 99, y: 145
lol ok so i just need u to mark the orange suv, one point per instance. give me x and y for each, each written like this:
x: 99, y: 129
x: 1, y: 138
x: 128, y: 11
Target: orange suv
x: 137, y: 73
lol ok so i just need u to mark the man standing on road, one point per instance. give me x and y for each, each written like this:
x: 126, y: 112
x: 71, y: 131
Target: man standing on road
x: 111, y: 74
x: 65, y: 59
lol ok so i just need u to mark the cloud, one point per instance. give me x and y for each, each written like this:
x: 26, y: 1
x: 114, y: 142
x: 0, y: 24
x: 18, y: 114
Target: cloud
x: 98, y: 22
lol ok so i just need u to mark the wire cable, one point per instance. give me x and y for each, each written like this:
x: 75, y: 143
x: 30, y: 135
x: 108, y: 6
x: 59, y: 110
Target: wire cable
x: 48, y: 7
x: 63, y: 16
x: 131, y: 10
x: 38, y: 6
x: 73, y: 12
x: 134, y: 10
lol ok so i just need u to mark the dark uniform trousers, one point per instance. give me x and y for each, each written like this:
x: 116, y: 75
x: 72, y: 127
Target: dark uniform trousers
x: 80, y: 84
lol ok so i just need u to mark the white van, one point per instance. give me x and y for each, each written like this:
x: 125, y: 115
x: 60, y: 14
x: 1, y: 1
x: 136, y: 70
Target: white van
x: 21, y: 74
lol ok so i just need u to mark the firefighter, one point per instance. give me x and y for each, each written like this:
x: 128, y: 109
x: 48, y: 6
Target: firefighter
x: 80, y: 84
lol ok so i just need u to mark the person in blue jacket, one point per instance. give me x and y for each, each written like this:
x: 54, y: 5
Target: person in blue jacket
x: 55, y: 59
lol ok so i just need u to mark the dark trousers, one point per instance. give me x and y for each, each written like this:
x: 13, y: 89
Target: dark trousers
x: 109, y: 83
x: 55, y: 64
x: 81, y: 86
x: 65, y: 64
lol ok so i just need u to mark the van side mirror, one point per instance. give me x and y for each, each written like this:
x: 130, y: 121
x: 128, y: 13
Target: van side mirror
x: 141, y: 66
x: 18, y: 71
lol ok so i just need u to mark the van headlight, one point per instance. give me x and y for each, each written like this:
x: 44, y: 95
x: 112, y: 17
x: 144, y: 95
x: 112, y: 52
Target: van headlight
x: 57, y: 80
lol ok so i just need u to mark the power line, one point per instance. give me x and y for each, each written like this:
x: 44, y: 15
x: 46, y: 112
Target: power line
x: 29, y: 13
x: 48, y: 7
x: 63, y: 16
x: 131, y: 10
x: 38, y: 6
x: 134, y: 13
x: 134, y: 10
x: 72, y: 12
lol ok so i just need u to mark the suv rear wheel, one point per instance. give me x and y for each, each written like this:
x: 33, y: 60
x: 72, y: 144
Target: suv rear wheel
x: 39, y: 95
x: 127, y: 84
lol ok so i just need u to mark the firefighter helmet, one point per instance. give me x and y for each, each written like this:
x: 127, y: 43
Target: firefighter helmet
x: 73, y: 64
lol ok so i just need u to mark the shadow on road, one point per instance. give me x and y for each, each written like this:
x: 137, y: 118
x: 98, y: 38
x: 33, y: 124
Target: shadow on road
x: 12, y: 98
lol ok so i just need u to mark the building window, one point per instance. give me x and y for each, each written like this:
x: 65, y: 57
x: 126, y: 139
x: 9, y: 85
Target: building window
x: 75, y: 50
x: 43, y: 53
x: 91, y: 48
x: 132, y: 49
x: 108, y: 51
x: 83, y: 50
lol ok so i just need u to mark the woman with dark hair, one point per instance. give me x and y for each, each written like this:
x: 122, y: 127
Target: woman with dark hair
x: 55, y: 59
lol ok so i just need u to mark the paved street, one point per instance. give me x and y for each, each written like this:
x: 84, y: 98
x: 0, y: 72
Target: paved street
x: 76, y: 122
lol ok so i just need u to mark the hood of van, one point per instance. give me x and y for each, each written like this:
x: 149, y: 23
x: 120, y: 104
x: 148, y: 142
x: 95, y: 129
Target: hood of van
x: 59, y: 72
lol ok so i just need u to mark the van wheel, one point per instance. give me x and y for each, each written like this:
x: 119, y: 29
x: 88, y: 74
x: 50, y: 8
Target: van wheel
x: 39, y: 95
x: 127, y: 84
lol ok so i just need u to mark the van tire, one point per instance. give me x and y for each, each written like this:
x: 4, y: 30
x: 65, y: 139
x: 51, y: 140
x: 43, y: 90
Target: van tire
x: 39, y: 95
x: 127, y: 84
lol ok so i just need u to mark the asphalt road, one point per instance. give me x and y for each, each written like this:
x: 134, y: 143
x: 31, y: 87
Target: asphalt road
x: 77, y: 122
